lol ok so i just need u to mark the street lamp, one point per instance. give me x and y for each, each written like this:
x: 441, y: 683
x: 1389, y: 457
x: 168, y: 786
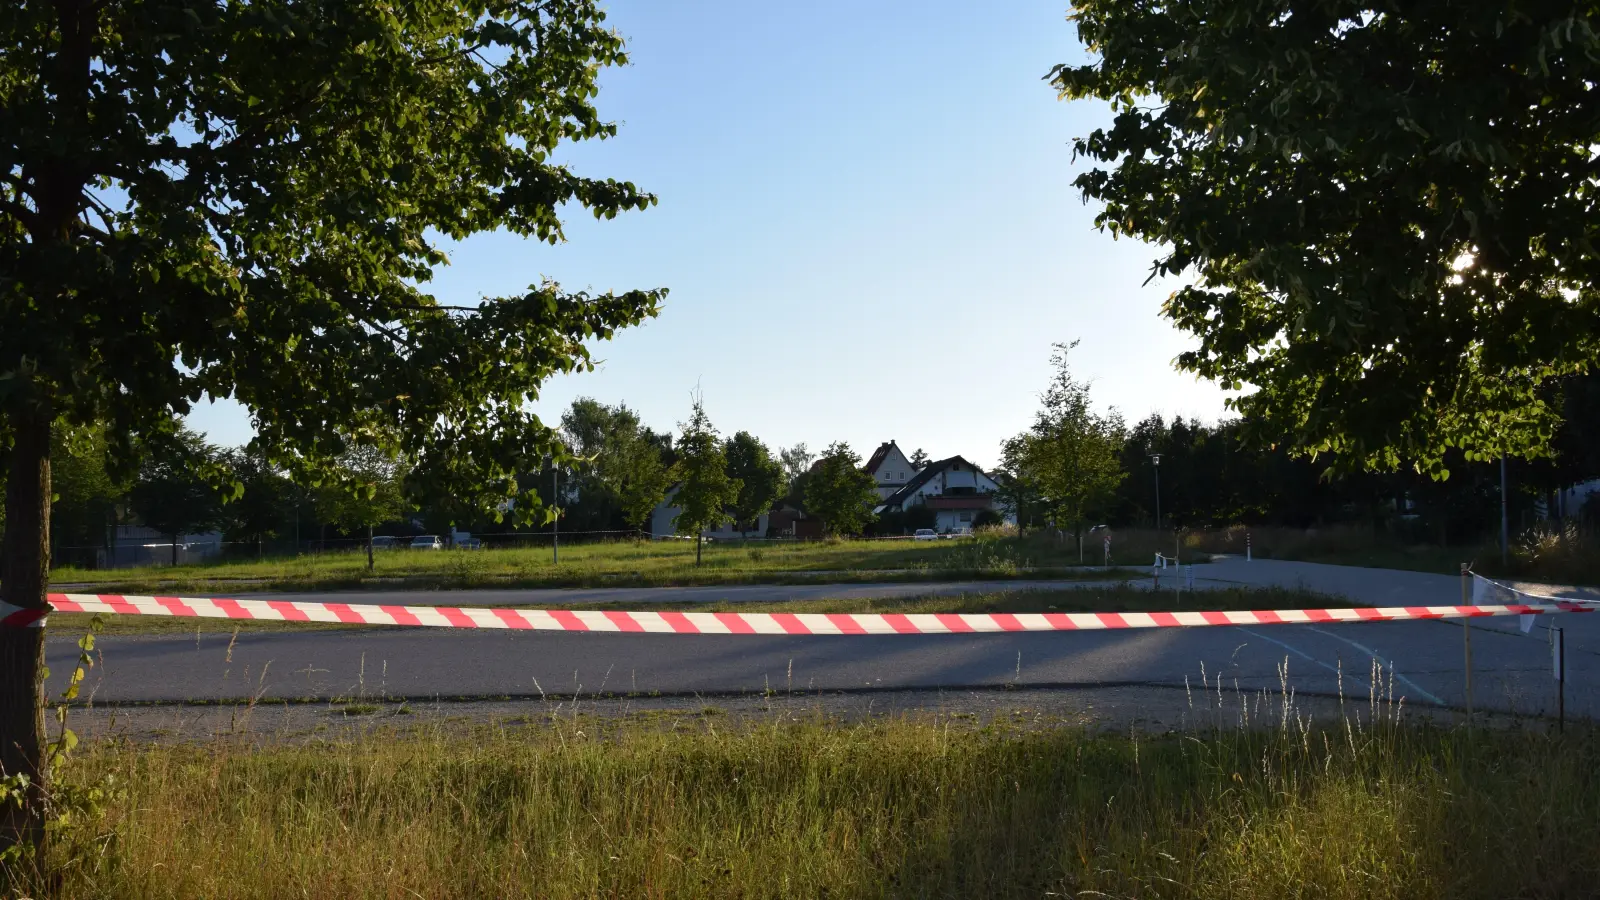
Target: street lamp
x: 1155, y: 459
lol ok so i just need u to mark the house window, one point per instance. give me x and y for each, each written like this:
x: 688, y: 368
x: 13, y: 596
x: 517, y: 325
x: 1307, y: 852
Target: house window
x: 966, y: 517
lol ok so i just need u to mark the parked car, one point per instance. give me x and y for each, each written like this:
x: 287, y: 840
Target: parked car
x: 926, y: 534
x: 385, y: 542
x: 427, y: 542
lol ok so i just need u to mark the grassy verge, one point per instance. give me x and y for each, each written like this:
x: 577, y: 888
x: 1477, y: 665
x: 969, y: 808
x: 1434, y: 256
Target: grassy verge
x: 1369, y: 808
x: 625, y: 564
x: 1560, y: 556
x: 1110, y: 597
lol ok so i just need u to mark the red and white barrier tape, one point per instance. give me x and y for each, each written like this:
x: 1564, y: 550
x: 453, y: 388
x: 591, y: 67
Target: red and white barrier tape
x: 747, y: 623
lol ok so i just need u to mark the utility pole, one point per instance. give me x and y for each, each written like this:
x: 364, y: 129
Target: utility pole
x: 1505, y: 529
x: 1155, y: 458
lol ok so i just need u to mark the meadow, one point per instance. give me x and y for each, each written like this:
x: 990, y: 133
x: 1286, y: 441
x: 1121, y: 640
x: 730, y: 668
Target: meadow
x: 1001, y: 553
x: 1254, y: 800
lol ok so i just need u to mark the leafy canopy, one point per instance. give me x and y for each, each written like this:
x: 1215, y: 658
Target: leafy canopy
x: 1390, y: 213
x: 761, y: 478
x: 840, y: 492
x: 1069, y: 462
x: 620, y: 467
x: 173, y: 493
x: 248, y: 199
x: 365, y: 489
x: 705, y: 492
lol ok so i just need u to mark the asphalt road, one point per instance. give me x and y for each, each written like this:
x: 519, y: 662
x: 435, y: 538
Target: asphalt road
x: 1511, y: 671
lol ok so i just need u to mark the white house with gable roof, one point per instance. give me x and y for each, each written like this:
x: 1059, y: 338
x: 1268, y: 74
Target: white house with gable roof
x: 955, y: 490
x: 891, y: 468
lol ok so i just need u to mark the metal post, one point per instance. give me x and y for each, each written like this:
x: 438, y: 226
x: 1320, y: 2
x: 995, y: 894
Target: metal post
x: 1155, y: 458
x: 1466, y: 639
x: 1247, y: 546
x: 1560, y: 636
x: 1505, y: 531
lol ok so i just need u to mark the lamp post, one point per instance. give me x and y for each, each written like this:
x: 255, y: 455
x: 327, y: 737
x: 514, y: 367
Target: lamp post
x: 1155, y: 459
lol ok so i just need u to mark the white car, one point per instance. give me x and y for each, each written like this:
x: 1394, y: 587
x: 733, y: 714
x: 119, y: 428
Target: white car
x: 925, y: 534
x: 427, y: 542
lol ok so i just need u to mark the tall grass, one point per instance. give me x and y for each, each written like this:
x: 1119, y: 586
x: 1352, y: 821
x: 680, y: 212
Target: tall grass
x: 1565, y: 552
x: 1257, y: 803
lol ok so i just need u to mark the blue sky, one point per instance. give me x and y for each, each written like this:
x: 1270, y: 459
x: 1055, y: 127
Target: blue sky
x: 867, y: 225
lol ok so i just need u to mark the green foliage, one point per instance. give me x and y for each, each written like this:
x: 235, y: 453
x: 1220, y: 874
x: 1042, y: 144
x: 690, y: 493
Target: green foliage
x: 86, y: 492
x: 620, y: 470
x: 705, y: 492
x: 1069, y: 461
x: 796, y: 462
x: 1389, y: 213
x: 761, y: 478
x: 266, y: 501
x: 246, y: 200
x: 365, y: 489
x: 987, y: 518
x: 840, y: 492
x: 175, y: 492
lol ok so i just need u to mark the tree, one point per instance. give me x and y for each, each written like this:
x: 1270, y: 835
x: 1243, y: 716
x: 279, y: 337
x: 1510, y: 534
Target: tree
x: 704, y: 489
x: 840, y: 492
x: 245, y: 200
x: 796, y: 462
x: 760, y: 477
x: 365, y: 489
x: 176, y: 492
x: 1389, y: 213
x: 1070, y: 456
x: 620, y: 472
x: 265, y: 500
x: 643, y: 478
x: 86, y: 492
x: 919, y: 459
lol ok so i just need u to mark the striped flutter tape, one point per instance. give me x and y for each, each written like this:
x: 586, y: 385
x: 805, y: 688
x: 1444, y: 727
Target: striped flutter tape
x: 618, y: 620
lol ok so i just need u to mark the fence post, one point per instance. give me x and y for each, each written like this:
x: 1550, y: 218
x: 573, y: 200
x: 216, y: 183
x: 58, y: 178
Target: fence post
x: 1247, y: 546
x: 1466, y: 639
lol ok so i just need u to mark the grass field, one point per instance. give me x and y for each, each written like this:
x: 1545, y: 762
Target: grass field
x: 1267, y: 806
x: 1108, y: 597
x: 621, y: 563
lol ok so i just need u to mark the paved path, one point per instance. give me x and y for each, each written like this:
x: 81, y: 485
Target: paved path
x: 1511, y: 670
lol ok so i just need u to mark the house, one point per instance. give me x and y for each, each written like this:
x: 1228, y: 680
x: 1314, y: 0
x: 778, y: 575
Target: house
x: 891, y: 468
x: 955, y: 491
x: 665, y: 515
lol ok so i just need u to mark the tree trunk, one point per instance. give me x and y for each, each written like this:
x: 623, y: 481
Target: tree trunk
x: 24, y: 579
x: 174, y: 549
x: 369, y: 548
x: 699, y: 539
